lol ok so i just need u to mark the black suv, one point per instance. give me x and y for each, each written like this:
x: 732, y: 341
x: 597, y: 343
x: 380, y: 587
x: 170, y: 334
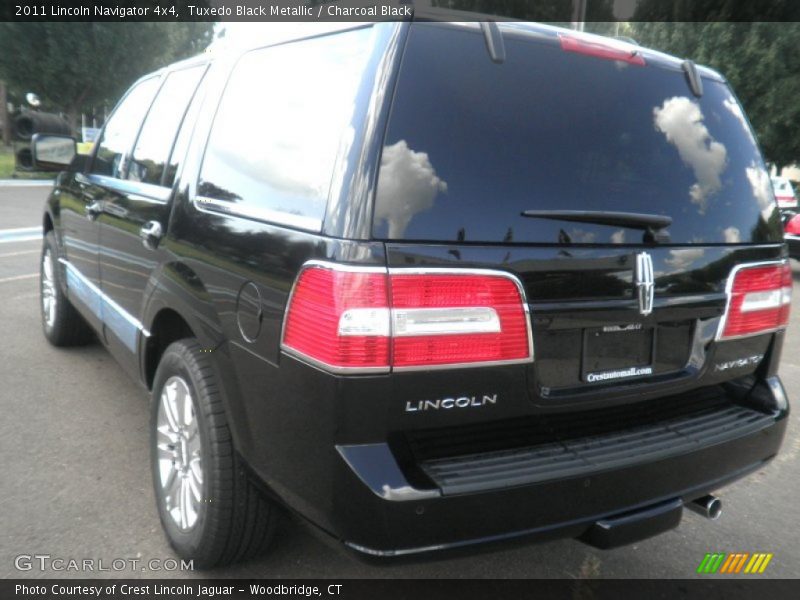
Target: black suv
x: 429, y: 285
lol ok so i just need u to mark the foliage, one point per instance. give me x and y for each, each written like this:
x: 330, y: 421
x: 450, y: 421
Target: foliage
x: 78, y: 66
x: 6, y: 161
x: 761, y: 62
x: 7, y: 167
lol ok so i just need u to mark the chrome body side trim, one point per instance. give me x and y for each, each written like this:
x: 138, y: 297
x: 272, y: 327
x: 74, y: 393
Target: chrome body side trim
x: 124, y: 325
x: 213, y: 205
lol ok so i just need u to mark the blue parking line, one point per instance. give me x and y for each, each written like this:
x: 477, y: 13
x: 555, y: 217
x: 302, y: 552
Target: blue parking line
x: 23, y: 234
x: 26, y: 183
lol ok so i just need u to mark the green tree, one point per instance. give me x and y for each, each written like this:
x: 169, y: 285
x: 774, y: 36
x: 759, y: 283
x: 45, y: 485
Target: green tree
x: 74, y: 67
x: 761, y: 62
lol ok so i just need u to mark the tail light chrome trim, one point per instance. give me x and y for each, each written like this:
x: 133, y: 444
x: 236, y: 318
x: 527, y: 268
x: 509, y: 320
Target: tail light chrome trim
x: 729, y: 293
x: 408, y: 322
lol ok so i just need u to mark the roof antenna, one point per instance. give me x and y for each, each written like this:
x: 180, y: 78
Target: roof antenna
x: 494, y: 41
x: 693, y: 77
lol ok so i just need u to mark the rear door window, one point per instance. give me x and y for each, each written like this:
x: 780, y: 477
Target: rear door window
x: 155, y: 142
x: 121, y: 129
x: 472, y: 144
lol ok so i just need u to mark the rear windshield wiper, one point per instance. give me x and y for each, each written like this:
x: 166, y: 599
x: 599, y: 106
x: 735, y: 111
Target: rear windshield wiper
x: 651, y: 224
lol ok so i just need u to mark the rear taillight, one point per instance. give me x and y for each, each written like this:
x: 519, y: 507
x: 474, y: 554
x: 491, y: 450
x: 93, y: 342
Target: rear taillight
x: 339, y: 318
x: 786, y: 201
x: 600, y: 49
x: 448, y: 317
x: 793, y: 226
x: 759, y: 297
x: 366, y: 320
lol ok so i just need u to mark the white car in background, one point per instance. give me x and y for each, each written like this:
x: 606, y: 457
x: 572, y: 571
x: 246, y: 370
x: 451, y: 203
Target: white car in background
x: 784, y: 192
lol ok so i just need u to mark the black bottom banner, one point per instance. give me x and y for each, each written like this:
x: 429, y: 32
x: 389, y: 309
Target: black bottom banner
x: 405, y: 589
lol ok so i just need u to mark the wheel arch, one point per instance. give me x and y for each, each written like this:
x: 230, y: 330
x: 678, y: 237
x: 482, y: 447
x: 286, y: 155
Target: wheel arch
x: 178, y: 307
x: 47, y: 223
x: 51, y: 219
x: 168, y: 326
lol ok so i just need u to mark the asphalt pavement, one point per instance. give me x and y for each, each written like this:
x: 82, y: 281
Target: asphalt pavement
x: 75, y: 480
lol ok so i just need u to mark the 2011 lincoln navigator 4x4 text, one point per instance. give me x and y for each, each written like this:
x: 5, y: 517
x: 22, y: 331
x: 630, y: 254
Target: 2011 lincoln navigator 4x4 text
x: 428, y: 285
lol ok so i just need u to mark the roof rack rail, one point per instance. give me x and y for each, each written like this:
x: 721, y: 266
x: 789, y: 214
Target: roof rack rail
x: 494, y: 41
x: 693, y: 77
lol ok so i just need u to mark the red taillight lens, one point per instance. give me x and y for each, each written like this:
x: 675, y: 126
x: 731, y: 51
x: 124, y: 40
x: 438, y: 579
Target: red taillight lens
x: 445, y: 319
x: 793, y: 226
x: 600, y: 50
x: 759, y: 300
x: 339, y: 318
x: 349, y: 320
x: 786, y: 201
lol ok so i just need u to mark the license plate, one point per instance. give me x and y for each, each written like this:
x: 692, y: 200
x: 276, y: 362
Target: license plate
x: 617, y: 352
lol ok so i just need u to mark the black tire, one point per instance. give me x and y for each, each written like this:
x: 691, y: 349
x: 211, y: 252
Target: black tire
x: 234, y: 521
x: 67, y: 327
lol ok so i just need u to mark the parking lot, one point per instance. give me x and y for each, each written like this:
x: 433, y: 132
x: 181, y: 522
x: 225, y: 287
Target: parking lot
x: 76, y: 479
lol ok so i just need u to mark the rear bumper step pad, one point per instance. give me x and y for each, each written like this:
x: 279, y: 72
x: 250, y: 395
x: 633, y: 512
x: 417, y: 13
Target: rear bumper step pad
x: 580, y: 456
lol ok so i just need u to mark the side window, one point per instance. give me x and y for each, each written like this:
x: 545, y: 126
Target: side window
x: 181, y: 145
x: 276, y: 135
x: 161, y: 125
x: 121, y: 129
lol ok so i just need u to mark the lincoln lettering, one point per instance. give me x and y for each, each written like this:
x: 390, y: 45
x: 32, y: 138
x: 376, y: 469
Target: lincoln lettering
x: 448, y: 403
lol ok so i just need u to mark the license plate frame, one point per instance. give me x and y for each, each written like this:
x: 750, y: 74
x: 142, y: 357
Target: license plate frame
x: 617, y: 352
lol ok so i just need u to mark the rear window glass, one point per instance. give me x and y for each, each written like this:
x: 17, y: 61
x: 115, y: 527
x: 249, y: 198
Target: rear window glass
x: 472, y: 144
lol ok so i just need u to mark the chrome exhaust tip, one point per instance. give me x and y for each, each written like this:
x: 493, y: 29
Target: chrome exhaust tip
x: 708, y: 506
